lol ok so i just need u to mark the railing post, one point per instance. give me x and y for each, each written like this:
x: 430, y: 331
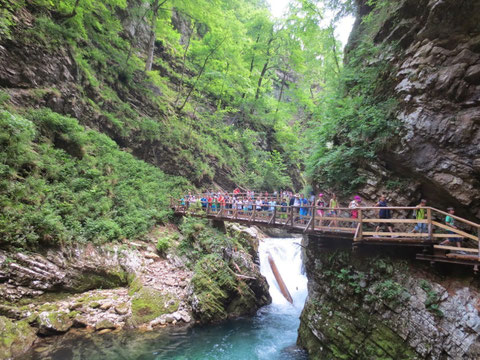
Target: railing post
x: 360, y: 223
x: 478, y: 233
x: 254, y: 211
x: 429, y: 219
x: 292, y: 215
x: 313, y: 217
x: 274, y: 214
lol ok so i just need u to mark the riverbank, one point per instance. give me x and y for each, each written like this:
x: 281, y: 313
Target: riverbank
x: 269, y: 334
x: 129, y: 285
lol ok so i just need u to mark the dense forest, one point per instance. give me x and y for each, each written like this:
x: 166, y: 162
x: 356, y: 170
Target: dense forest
x: 108, y: 108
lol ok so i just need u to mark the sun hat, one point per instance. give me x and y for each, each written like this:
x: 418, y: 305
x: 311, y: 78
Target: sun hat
x: 358, y: 198
x: 320, y: 195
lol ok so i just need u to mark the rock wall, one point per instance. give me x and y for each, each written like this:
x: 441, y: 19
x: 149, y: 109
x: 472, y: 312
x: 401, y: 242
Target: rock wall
x: 434, y: 50
x: 374, y: 307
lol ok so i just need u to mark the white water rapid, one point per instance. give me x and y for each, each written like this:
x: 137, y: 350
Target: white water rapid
x: 287, y: 254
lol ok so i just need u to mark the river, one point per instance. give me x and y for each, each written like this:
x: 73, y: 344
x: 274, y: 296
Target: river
x: 270, y: 334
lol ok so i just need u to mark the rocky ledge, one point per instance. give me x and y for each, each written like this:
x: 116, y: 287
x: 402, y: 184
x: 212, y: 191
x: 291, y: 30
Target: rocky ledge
x: 111, y: 287
x: 373, y: 307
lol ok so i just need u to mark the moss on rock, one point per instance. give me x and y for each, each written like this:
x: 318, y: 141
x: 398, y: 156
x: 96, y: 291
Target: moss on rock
x: 148, y: 304
x: 16, y: 337
x: 53, y: 322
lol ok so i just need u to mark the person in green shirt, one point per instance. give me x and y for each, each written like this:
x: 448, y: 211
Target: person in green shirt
x: 450, y: 221
x: 420, y: 215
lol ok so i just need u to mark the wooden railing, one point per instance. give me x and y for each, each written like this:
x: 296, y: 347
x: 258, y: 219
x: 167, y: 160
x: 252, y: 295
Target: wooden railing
x: 362, y: 228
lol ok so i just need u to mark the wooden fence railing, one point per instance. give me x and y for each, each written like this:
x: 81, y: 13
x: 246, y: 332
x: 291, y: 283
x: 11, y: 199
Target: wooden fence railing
x: 364, y: 226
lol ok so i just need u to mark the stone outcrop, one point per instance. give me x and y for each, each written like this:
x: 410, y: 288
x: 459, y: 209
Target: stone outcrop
x: 115, y: 286
x: 434, y: 53
x: 376, y: 307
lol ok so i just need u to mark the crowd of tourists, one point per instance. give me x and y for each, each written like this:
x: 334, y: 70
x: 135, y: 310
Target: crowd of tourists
x: 302, y: 207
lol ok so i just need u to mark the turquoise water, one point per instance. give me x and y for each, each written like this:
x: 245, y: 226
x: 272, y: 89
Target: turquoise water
x: 270, y: 334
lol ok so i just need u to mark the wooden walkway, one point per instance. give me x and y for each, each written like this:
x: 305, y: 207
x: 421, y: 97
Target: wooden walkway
x: 338, y: 223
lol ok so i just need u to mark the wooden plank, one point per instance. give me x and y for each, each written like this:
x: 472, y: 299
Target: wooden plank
x: 396, y: 234
x: 328, y: 228
x: 454, y: 248
x: 347, y: 219
x: 396, y: 221
x: 441, y: 236
x: 355, y: 237
x: 360, y: 228
x: 308, y: 225
x: 456, y: 231
x: 393, y: 240
x: 462, y: 257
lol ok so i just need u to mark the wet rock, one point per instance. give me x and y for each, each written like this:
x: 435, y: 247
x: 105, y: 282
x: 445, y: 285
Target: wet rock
x: 122, y: 309
x: 148, y: 304
x: 16, y: 337
x: 80, y: 321
x: 104, y: 324
x: 53, y: 322
x: 106, y: 306
x: 150, y: 255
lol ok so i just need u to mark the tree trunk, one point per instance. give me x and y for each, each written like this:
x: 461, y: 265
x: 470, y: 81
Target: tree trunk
x: 281, y: 91
x: 200, y: 74
x: 260, y: 79
x: 180, y: 85
x: 153, y: 35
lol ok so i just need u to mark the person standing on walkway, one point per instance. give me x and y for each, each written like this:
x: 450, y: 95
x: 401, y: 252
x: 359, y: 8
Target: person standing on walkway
x: 383, y: 214
x: 450, y: 222
x: 354, y: 204
x: 333, y: 210
x: 420, y: 215
x: 320, y: 204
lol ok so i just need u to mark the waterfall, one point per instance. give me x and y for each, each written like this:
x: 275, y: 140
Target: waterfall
x: 287, y: 254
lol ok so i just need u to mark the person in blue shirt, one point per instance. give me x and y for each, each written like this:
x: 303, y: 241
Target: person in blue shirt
x: 383, y: 214
x: 303, y: 206
x: 204, y: 202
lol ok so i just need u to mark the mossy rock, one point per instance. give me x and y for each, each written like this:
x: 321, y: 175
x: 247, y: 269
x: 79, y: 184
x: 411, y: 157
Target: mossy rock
x: 111, y: 279
x: 104, y: 324
x: 148, y: 304
x: 16, y: 337
x: 51, y: 323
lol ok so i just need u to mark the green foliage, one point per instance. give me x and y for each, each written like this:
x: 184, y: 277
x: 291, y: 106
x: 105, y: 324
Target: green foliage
x: 355, y: 121
x: 212, y: 282
x: 61, y: 183
x: 165, y: 241
x: 432, y: 303
x: 390, y: 290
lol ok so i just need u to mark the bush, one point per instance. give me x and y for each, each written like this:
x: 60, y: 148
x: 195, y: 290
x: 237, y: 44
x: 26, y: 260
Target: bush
x: 80, y: 188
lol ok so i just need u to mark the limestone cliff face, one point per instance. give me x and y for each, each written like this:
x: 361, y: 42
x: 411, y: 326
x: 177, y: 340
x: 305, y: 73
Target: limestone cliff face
x: 435, y: 57
x: 375, y: 307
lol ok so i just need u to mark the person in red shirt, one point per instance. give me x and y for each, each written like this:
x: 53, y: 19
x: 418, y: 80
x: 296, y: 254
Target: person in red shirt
x: 221, y: 200
x: 210, y: 200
